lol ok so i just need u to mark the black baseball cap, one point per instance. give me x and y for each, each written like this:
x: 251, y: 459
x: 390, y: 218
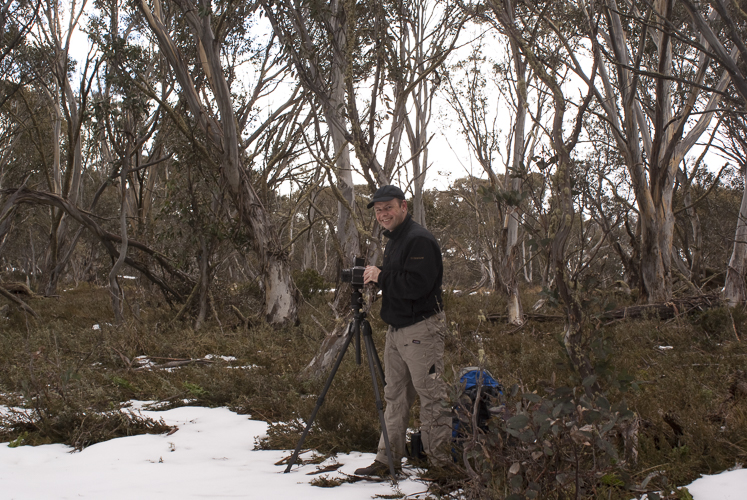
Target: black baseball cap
x: 386, y: 193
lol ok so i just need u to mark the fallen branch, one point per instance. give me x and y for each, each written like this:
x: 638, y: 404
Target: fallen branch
x: 18, y: 288
x: 664, y: 311
x: 244, y: 320
x: 174, y: 364
x: 667, y: 310
x: 11, y: 297
x: 187, y: 304
x: 529, y: 316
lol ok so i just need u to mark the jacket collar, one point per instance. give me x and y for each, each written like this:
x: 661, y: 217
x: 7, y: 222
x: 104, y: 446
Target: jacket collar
x: 393, y: 235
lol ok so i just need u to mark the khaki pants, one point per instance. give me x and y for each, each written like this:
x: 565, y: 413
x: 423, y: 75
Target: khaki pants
x: 413, y: 366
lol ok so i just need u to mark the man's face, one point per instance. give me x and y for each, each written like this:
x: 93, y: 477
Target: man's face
x: 390, y: 214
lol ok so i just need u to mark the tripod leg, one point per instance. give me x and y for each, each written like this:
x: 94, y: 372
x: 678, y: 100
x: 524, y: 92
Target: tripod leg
x: 320, y: 399
x: 377, y: 361
x: 370, y: 353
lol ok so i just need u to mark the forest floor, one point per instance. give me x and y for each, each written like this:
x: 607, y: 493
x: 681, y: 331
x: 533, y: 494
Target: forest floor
x: 678, y: 387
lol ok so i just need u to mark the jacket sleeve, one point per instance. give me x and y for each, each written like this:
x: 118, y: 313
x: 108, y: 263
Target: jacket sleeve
x: 418, y: 274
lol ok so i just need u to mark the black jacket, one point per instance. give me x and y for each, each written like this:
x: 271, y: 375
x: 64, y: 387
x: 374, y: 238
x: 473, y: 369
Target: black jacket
x: 411, y: 275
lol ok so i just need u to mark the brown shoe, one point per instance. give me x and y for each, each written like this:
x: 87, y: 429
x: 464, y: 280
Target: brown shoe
x: 378, y: 469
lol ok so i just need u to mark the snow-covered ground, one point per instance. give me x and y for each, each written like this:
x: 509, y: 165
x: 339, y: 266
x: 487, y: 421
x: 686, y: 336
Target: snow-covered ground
x: 212, y: 456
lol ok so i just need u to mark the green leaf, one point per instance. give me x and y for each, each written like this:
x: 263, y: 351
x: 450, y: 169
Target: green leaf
x: 517, y: 482
x: 585, y: 403
x: 517, y: 422
x: 603, y: 403
x: 684, y: 494
x: 530, y: 396
x: 19, y: 440
x: 592, y: 416
x: 607, y: 447
x: 543, y: 428
x: 589, y: 381
x: 539, y: 418
x: 528, y: 436
x: 567, y: 409
x: 561, y: 392
x: 556, y: 411
x: 608, y: 426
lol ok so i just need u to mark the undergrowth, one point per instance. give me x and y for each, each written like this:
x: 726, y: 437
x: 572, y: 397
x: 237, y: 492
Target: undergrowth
x: 672, y: 402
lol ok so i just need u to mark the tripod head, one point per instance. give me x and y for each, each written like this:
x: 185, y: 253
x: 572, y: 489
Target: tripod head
x: 354, y: 276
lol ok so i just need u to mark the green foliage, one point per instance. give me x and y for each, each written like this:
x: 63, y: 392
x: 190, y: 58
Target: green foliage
x: 612, y: 479
x: 18, y: 441
x: 124, y: 384
x: 719, y: 322
x: 498, y: 195
x: 309, y: 282
x: 195, y: 390
x: 550, y: 445
x: 683, y: 494
x: 79, y: 427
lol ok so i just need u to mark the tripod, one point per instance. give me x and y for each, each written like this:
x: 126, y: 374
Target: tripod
x: 359, y: 324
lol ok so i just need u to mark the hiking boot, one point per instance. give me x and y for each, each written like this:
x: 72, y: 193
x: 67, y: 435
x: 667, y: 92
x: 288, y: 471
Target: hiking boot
x: 377, y: 468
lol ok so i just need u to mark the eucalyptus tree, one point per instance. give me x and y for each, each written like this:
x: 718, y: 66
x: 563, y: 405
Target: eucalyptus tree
x: 481, y: 120
x: 54, y: 42
x: 16, y: 20
x: 393, y: 48
x: 428, y: 32
x: 659, y: 91
x: 724, y: 26
x: 125, y: 119
x: 735, y: 148
x: 316, y: 39
x: 25, y: 159
x: 563, y: 134
x: 363, y: 62
x: 224, y: 114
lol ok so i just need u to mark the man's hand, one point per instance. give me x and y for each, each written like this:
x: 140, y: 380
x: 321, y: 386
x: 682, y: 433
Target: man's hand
x: 371, y: 274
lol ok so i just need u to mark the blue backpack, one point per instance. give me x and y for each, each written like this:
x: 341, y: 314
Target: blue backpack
x: 472, y: 379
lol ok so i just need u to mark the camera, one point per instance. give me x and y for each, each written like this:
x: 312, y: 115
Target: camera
x: 354, y: 275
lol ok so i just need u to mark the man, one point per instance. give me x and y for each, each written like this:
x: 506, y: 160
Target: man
x: 410, y: 280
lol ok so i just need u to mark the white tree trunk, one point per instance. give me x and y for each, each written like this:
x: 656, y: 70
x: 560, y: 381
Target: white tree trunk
x: 734, y: 292
x: 511, y: 224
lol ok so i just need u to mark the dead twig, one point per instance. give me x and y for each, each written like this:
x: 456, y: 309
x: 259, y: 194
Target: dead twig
x: 244, y: 320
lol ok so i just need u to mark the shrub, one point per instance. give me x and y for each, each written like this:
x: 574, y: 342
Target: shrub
x: 310, y: 283
x: 563, y: 443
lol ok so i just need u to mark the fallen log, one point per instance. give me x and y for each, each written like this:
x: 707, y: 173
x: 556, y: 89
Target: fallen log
x: 665, y: 310
x: 18, y: 288
x: 527, y: 317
